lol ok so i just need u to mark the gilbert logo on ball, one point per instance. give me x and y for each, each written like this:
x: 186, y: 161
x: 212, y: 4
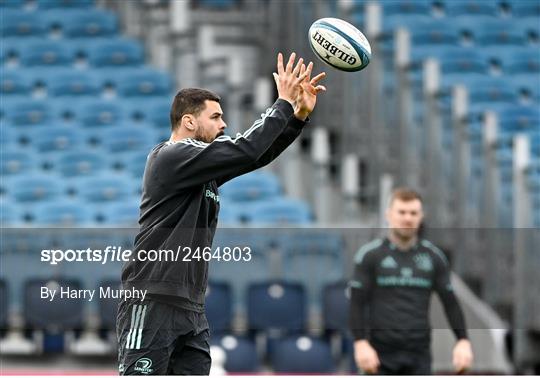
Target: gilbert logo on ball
x: 339, y: 44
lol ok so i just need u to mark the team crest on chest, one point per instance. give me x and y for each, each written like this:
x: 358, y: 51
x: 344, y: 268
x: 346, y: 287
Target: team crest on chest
x: 423, y: 262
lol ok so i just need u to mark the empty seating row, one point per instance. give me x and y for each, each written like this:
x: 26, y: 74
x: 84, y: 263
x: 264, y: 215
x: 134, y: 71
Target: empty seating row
x: 62, y: 81
x: 67, y: 204
x: 47, y: 4
x: 91, y: 112
x: 72, y: 213
x: 466, y: 31
x: 98, y: 52
x: 454, y: 9
x: 71, y: 23
x: 74, y: 162
x: 53, y: 139
x: 21, y: 112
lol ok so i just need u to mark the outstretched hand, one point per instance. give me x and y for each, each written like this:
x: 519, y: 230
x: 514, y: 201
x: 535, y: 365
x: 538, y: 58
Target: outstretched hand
x: 307, y: 97
x: 295, y: 85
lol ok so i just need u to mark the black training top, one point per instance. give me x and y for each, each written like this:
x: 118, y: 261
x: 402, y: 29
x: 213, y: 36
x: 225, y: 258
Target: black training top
x: 180, y: 201
x: 391, y: 291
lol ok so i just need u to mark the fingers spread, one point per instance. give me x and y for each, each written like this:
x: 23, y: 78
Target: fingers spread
x: 303, y: 76
x: 276, y: 77
x: 309, y: 69
x: 298, y: 67
x: 280, y: 63
x: 318, y: 78
x: 290, y: 63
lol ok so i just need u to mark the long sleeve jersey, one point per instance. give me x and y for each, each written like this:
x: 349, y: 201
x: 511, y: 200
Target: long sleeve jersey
x: 391, y: 291
x: 180, y: 200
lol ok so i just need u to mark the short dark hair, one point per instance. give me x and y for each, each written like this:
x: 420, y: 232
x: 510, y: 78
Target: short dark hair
x: 190, y: 101
x: 405, y: 195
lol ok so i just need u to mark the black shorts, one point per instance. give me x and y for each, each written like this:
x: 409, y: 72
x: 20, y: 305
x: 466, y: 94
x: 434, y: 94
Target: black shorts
x: 158, y: 339
x: 404, y: 362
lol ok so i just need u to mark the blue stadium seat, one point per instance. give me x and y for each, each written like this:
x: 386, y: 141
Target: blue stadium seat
x: 65, y: 214
x: 434, y: 31
x: 23, y: 112
x: 14, y: 82
x: 12, y: 3
x: 276, y: 305
x: 118, y: 52
x: 132, y: 162
x: 45, y: 53
x: 391, y: 23
x: 497, y: 32
x: 279, y: 211
x: 52, y: 316
x: 481, y: 89
x: 315, y: 267
x: 484, y: 31
x: 261, y: 241
x: 98, y: 113
x: 152, y: 110
x: 524, y: 61
x: 302, y: 355
x: 527, y: 8
x: 530, y: 28
x: 239, y: 273
x: 533, y: 174
x: 80, y: 23
x: 108, y: 307
x: 527, y: 86
x: 228, y: 213
x: 36, y: 187
x: 451, y: 59
x: 10, y: 215
x: 56, y: 138
x: 123, y: 213
x: 310, y: 241
x: 129, y: 138
x: 241, y: 353
x: 219, y: 306
x: 8, y: 136
x: 487, y: 89
x: 11, y: 47
x: 535, y: 144
x: 14, y: 161
x: 144, y: 82
x: 106, y: 187
x: 80, y: 163
x: 217, y: 4
x: 471, y: 7
x: 519, y: 117
x: 19, y: 23
x: 336, y: 299
x: 71, y: 83
x: 254, y: 186
x: 401, y: 7
x: 55, y: 4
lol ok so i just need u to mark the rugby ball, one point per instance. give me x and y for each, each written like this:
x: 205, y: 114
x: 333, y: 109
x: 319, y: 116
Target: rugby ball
x: 339, y: 44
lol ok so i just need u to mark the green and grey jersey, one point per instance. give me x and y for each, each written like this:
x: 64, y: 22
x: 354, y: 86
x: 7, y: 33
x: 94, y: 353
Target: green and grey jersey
x: 391, y: 291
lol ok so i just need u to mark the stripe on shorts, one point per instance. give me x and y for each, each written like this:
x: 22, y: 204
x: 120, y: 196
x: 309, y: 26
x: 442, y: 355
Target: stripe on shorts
x: 135, y: 326
x: 133, y: 316
x: 139, y: 337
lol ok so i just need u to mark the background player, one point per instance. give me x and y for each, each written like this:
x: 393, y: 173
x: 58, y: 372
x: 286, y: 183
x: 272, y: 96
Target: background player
x: 390, y: 296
